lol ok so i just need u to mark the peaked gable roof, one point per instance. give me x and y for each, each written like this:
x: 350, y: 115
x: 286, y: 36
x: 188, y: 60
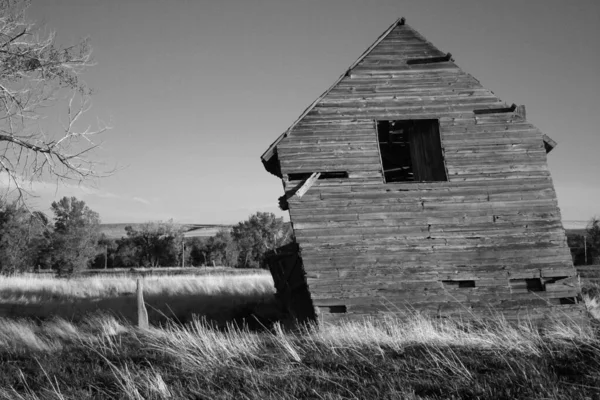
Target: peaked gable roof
x: 357, y: 69
x: 270, y: 151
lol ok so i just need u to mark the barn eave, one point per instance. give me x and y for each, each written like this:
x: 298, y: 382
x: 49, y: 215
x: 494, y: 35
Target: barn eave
x: 270, y: 161
x: 549, y: 144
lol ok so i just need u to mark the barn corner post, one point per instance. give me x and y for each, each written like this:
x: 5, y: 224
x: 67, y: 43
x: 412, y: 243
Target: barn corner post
x: 289, y: 278
x: 410, y: 186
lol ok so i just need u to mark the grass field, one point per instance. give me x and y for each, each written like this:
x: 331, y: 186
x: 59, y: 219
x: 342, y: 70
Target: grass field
x: 417, y: 359
x: 219, y: 298
x: 101, y: 356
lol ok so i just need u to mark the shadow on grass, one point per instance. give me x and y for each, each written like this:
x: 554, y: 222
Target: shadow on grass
x: 252, y: 310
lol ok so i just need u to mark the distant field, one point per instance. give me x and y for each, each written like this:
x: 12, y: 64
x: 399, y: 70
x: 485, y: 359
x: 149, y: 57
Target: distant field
x: 117, y: 231
x: 218, y: 297
x: 162, y: 271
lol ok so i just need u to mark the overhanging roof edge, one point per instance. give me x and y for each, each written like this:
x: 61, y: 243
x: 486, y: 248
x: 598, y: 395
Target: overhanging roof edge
x: 549, y: 144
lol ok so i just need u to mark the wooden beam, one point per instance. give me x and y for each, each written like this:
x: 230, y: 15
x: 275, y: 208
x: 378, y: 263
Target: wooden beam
x: 520, y: 111
x: 495, y: 110
x: 307, y: 184
x: 430, y: 60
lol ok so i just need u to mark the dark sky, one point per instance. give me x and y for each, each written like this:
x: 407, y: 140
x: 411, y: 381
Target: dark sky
x: 197, y: 90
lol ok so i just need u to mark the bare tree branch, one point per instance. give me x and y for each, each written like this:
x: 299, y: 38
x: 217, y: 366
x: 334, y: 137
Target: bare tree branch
x: 37, y: 77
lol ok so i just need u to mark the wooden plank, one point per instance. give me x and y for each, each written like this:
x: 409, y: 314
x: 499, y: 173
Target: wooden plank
x: 307, y: 185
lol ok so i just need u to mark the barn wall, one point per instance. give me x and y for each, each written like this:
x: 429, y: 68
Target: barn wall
x: 377, y: 247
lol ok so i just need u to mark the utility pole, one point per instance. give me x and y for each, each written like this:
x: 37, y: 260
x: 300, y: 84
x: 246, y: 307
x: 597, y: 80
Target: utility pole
x: 585, y: 248
x: 183, y: 253
x: 105, y: 257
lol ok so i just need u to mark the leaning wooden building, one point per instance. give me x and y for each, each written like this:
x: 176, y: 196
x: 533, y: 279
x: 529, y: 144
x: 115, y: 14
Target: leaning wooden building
x: 410, y: 186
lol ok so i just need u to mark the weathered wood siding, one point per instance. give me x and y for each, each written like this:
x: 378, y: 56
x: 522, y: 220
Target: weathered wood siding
x: 375, y: 247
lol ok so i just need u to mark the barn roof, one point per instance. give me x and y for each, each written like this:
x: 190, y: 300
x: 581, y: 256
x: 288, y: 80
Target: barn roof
x: 269, y: 157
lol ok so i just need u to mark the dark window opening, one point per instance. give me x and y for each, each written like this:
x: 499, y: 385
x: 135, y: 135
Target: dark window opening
x: 459, y: 284
x: 563, y: 300
x: 333, y: 309
x: 495, y: 110
x: 531, y: 285
x: 411, y: 150
x: 300, y: 176
x: 568, y: 300
x: 430, y: 60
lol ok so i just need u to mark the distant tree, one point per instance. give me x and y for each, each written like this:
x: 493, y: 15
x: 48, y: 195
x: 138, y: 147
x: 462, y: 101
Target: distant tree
x: 41, y: 244
x: 156, y: 243
x: 577, y: 245
x: 37, y: 75
x: 106, y: 252
x: 126, y: 255
x: 585, y: 247
x: 22, y: 235
x: 223, y: 250
x: 186, y: 253
x: 198, y: 251
x: 261, y: 233
x: 75, y: 237
x: 593, y: 237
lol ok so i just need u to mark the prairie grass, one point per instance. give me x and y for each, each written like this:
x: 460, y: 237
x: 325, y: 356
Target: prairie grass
x: 419, y: 358
x: 103, y: 356
x: 32, y: 288
x: 218, y: 297
x: 591, y: 298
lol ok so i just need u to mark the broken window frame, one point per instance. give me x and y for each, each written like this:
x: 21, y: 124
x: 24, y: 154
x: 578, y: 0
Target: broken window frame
x: 437, y: 173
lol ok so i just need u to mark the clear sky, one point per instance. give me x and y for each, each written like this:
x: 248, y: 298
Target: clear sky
x: 196, y: 90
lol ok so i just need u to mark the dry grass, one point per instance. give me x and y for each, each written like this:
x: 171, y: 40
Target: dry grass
x: 593, y: 306
x: 591, y: 298
x: 415, y: 359
x: 32, y: 288
x: 105, y: 357
x: 214, y: 296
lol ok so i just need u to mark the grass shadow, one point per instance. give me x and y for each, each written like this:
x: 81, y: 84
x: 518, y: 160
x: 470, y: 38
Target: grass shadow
x: 218, y: 309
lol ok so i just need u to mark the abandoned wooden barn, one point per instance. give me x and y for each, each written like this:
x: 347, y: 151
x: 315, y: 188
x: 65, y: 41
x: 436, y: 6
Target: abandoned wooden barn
x: 410, y: 186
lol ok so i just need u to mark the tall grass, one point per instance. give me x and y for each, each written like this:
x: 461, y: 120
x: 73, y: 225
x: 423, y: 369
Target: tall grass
x: 417, y: 358
x: 218, y: 297
x: 102, y: 356
x: 32, y: 288
x: 591, y: 297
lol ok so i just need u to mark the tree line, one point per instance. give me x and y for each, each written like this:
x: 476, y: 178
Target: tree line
x: 585, y: 246
x: 72, y: 240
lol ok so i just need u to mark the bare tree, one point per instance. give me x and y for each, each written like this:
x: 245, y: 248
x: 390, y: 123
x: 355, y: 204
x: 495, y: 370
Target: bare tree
x: 37, y: 77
